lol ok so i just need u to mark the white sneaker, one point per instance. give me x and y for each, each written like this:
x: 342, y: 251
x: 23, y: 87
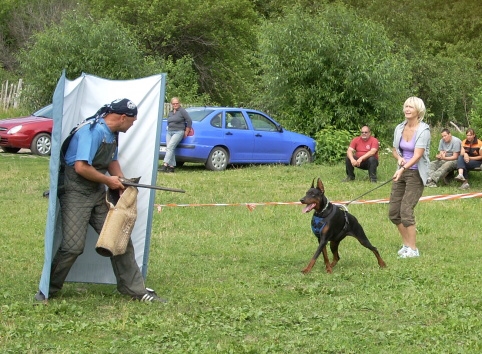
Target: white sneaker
x: 460, y: 178
x: 403, y: 250
x: 465, y: 185
x: 410, y: 253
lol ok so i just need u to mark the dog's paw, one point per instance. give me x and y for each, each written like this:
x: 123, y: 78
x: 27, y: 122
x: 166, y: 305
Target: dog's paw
x: 306, y: 270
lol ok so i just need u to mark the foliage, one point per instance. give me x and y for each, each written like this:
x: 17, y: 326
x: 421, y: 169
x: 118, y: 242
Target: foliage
x: 182, y: 81
x: 219, y: 36
x: 20, y: 19
x: 476, y: 113
x: 445, y: 84
x: 273, y: 9
x: 339, y: 65
x: 14, y: 112
x: 232, y: 276
x: 442, y: 41
x: 331, y: 69
x: 80, y: 45
x: 6, y: 75
x: 332, y: 143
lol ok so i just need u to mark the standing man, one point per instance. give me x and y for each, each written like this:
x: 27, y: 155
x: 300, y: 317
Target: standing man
x: 362, y: 153
x: 448, y: 152
x: 86, y: 155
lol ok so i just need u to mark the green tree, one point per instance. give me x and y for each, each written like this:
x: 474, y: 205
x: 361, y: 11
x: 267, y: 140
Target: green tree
x: 20, y: 19
x: 219, y: 36
x: 182, y: 81
x: 444, y: 41
x: 331, y: 69
x: 446, y: 84
x: 475, y: 121
x: 79, y: 44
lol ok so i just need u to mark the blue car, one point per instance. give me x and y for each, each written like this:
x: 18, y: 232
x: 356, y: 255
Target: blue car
x: 221, y: 136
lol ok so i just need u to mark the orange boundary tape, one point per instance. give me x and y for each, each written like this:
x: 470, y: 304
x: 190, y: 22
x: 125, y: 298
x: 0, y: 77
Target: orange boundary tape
x: 251, y: 206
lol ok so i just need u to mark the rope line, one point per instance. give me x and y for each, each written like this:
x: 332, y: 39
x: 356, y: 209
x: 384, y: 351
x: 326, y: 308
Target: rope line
x: 252, y: 206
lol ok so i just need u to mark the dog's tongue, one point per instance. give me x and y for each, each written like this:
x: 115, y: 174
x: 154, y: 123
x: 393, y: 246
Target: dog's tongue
x: 308, y: 208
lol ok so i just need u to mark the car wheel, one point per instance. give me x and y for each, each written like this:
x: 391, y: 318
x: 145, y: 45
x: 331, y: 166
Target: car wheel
x: 300, y: 157
x: 217, y: 160
x: 10, y: 150
x: 41, y: 144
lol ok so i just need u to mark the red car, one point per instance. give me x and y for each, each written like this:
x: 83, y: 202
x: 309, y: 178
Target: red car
x: 33, y: 132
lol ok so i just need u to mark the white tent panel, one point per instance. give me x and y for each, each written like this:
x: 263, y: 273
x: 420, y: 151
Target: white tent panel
x: 138, y: 155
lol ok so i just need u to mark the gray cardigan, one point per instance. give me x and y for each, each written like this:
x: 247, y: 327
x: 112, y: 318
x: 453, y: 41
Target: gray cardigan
x: 179, y: 120
x: 422, y: 140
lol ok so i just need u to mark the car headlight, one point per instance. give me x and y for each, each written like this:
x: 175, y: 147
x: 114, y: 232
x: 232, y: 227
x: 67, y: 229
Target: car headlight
x: 15, y: 129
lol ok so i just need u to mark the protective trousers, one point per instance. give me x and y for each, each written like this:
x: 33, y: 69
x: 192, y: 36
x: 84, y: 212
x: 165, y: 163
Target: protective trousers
x: 83, y: 204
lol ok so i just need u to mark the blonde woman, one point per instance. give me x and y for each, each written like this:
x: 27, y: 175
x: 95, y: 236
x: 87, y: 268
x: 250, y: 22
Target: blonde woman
x: 411, y: 145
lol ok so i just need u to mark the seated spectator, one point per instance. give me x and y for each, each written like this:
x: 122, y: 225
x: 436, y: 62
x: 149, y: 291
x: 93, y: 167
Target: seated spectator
x: 448, y: 152
x: 469, y: 158
x: 362, y: 153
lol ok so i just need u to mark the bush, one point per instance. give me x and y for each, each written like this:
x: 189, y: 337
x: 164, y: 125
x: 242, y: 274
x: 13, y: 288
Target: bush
x: 316, y: 73
x: 476, y: 113
x: 331, y: 144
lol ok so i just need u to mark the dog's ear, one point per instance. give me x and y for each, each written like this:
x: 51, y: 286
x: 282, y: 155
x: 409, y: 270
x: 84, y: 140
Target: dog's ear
x: 313, y: 183
x: 321, y: 187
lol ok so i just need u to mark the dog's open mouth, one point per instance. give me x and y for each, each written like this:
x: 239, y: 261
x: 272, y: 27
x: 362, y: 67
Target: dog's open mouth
x: 309, y: 208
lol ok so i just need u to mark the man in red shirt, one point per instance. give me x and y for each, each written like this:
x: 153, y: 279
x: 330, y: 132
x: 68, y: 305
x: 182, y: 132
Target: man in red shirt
x: 362, y: 153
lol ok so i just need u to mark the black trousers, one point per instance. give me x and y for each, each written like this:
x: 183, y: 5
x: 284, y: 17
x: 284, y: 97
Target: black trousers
x: 371, y: 165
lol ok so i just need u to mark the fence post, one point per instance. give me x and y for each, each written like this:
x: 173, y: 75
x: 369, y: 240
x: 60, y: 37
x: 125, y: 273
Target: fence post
x: 3, y: 95
x: 18, y: 91
x: 10, y: 94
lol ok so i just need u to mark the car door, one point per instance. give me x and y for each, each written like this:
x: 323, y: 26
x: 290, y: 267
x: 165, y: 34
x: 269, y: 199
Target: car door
x: 269, y: 141
x: 238, y: 137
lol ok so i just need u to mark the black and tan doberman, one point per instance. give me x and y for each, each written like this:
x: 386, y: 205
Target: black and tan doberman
x: 331, y: 223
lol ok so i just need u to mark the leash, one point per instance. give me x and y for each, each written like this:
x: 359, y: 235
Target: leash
x: 371, y: 190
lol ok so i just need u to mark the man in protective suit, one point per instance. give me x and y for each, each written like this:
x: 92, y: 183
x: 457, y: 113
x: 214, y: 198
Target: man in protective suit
x: 86, y: 155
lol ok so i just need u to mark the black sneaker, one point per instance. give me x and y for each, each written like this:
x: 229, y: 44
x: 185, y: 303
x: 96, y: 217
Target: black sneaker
x: 163, y: 168
x: 150, y: 296
x: 170, y: 169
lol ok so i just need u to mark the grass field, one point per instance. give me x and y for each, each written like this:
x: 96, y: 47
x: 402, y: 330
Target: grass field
x: 233, y: 276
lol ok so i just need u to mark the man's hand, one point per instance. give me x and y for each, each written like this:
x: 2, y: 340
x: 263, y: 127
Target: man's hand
x: 440, y: 155
x: 113, y: 182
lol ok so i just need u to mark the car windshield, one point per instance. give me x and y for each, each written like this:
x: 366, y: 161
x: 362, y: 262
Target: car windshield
x: 198, y: 113
x: 45, y: 112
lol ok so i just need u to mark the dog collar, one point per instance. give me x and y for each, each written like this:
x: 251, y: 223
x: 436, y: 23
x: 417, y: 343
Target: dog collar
x: 326, y: 206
